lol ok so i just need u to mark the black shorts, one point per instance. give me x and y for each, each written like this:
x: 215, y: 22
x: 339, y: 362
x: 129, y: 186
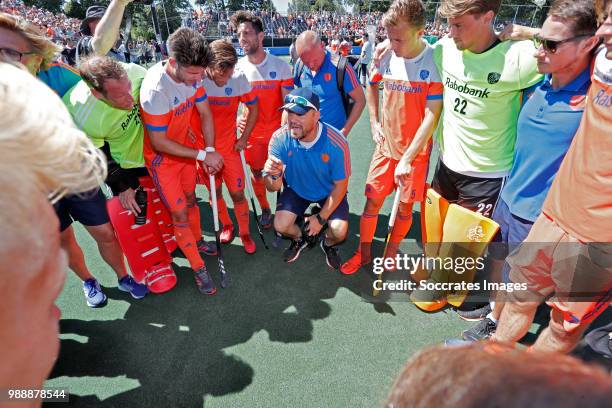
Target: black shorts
x: 292, y: 202
x: 89, y: 209
x: 474, y: 193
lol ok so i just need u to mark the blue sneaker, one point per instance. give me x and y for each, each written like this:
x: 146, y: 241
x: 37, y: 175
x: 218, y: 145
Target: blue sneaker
x: 128, y: 284
x: 93, y: 293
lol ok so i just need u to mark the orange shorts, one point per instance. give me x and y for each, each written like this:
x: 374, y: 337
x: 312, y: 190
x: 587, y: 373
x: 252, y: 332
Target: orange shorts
x: 381, y: 178
x: 256, y: 154
x: 231, y: 174
x: 173, y: 181
x: 552, y: 262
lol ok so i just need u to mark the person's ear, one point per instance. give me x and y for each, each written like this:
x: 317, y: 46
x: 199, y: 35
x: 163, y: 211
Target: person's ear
x: 589, y: 44
x: 489, y: 16
x: 261, y: 36
x: 97, y: 94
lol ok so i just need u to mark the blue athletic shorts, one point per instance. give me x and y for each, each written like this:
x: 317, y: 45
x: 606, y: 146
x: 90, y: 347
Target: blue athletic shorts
x: 88, y: 208
x: 292, y: 202
x: 512, y: 231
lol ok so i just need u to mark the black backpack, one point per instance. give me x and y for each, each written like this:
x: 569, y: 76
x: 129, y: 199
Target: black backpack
x: 340, y: 62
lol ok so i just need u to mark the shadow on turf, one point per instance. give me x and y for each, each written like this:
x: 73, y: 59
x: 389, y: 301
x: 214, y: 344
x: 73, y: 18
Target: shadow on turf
x: 174, y: 344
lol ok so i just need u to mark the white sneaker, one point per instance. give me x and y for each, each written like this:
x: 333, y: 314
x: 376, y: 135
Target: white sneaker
x: 93, y: 293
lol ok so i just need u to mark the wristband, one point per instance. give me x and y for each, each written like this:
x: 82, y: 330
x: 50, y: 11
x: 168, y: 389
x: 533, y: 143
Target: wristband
x: 321, y: 220
x: 201, y: 155
x: 210, y: 149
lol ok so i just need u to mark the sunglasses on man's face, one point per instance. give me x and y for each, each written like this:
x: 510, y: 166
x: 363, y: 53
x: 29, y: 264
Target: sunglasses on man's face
x: 552, y: 46
x: 300, y: 100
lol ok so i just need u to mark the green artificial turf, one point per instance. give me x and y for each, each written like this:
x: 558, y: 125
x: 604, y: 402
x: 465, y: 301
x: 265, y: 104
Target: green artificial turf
x: 281, y: 335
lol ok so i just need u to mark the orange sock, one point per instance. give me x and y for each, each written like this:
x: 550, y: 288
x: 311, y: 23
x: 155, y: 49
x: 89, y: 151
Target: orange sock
x: 224, y: 217
x: 185, y: 240
x: 241, y: 209
x: 194, y: 221
x: 367, y: 228
x: 402, y: 225
x: 260, y: 192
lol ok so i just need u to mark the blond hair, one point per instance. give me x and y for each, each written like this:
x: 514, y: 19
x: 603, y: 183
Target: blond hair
x: 456, y: 8
x: 39, y: 43
x: 39, y: 142
x: 411, y: 12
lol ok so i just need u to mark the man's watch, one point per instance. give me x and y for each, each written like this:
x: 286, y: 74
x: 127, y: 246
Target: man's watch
x: 321, y: 220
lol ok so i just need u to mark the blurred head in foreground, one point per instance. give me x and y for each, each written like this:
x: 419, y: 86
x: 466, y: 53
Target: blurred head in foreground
x: 494, y: 374
x: 42, y: 157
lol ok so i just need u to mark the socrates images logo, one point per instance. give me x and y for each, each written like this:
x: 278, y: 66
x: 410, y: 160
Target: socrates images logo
x: 475, y: 234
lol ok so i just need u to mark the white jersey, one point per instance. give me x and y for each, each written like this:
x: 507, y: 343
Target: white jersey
x: 267, y: 79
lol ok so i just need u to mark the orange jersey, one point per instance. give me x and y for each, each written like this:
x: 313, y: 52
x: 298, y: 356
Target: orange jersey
x: 224, y: 101
x: 408, y: 85
x: 267, y: 81
x: 167, y: 106
x: 580, y: 198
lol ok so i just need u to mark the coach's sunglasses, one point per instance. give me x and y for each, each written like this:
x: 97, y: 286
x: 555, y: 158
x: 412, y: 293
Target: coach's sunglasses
x: 300, y: 100
x: 14, y: 55
x: 552, y: 46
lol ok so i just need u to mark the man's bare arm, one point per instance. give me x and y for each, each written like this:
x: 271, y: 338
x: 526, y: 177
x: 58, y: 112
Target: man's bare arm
x: 107, y: 30
x: 359, y: 98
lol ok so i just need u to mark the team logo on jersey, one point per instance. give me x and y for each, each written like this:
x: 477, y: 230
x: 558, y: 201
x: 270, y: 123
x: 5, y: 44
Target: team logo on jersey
x: 272, y: 74
x: 327, y: 77
x: 493, y: 77
x: 228, y: 91
x: 424, y: 74
x: 176, y: 100
x: 325, y: 157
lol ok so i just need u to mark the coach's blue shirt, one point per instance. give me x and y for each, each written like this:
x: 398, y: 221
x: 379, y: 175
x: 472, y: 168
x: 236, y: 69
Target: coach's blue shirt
x: 325, y: 85
x: 311, y: 172
x: 546, y: 127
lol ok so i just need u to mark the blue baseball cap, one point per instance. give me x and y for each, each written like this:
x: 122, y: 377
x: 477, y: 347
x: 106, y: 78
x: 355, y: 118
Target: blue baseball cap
x: 300, y: 101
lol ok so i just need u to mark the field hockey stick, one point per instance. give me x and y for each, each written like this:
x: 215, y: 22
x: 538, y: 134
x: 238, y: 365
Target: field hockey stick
x: 278, y: 237
x: 251, y: 192
x: 213, y: 197
x: 392, y: 216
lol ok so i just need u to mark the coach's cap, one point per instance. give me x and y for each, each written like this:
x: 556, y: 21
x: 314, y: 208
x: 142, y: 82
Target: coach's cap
x: 300, y: 101
x: 92, y: 13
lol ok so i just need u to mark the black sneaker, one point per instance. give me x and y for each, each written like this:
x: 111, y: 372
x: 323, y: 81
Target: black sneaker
x: 292, y: 253
x: 265, y: 219
x: 474, y: 315
x: 207, y: 248
x: 204, y: 282
x: 481, y: 331
x: 331, y: 255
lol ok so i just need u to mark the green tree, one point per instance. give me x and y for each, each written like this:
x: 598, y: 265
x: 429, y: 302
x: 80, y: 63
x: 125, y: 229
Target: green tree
x: 51, y: 5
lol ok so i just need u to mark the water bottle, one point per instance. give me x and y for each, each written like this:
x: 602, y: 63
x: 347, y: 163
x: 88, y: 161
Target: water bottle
x: 141, y: 200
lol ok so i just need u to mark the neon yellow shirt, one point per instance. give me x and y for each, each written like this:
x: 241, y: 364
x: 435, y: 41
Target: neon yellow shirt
x: 122, y: 129
x: 482, y: 101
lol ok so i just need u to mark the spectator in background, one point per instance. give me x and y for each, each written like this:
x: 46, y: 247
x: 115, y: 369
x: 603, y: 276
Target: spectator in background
x: 365, y: 59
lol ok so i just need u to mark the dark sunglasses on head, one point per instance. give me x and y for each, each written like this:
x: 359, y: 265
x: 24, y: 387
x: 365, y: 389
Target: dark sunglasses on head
x: 553, y: 45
